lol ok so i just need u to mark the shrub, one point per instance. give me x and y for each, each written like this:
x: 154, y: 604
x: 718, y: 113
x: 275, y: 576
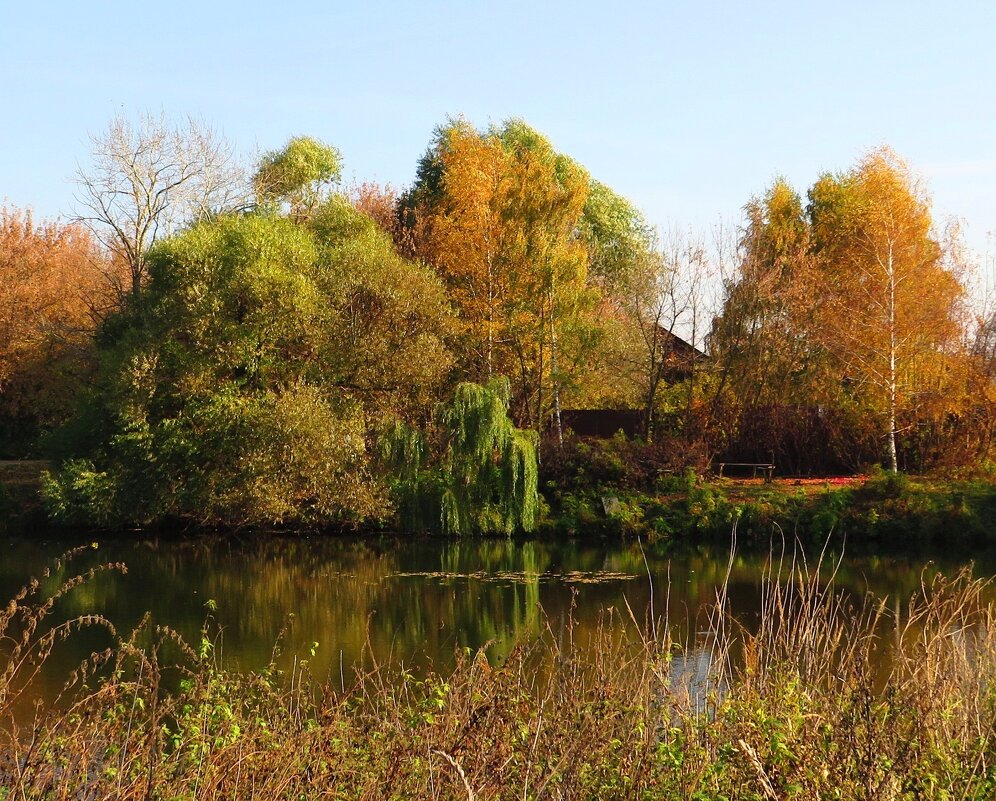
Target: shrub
x: 78, y: 493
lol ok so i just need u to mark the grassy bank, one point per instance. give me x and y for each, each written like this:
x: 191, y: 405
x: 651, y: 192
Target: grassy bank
x: 799, y: 706
x: 879, y: 506
x: 686, y: 505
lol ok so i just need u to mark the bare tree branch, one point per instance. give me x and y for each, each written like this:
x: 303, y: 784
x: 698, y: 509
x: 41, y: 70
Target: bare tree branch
x: 148, y: 179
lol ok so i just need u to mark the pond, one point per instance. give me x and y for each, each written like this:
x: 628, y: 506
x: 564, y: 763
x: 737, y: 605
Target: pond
x: 415, y: 601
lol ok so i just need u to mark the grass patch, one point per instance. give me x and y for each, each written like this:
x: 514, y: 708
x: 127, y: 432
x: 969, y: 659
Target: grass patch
x: 873, y: 507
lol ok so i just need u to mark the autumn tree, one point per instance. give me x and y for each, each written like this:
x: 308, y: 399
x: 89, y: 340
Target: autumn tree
x: 887, y: 307
x: 380, y: 204
x: 845, y: 310
x: 52, y: 296
x: 551, y: 201
x: 984, y: 344
x: 464, y: 232
x: 771, y: 374
x: 496, y: 213
x: 982, y: 376
x: 758, y: 339
x: 147, y: 179
x: 621, y: 253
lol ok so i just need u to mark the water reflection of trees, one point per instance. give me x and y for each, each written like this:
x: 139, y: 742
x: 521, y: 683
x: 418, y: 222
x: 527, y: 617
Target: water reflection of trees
x: 417, y: 600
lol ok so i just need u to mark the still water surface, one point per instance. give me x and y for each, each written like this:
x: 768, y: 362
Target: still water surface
x: 418, y: 600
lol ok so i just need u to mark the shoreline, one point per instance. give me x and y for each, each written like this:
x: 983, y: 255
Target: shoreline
x: 684, y: 508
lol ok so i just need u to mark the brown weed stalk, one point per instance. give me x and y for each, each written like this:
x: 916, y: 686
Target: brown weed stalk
x: 827, y: 696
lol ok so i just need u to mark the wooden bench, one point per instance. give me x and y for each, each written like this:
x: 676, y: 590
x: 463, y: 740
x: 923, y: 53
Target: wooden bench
x: 766, y: 469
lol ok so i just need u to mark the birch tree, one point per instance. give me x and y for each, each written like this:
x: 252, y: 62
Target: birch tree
x: 886, y: 304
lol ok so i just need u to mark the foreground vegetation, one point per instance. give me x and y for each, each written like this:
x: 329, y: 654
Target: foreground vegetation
x: 821, y: 699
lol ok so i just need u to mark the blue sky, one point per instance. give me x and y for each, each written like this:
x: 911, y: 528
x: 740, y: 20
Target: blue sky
x: 687, y: 109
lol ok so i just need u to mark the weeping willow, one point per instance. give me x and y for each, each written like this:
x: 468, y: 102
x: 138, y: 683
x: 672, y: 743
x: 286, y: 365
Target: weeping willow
x: 478, y: 474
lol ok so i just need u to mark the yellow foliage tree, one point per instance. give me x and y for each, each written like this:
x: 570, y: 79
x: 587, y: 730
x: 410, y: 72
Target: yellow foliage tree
x: 885, y: 304
x: 499, y: 226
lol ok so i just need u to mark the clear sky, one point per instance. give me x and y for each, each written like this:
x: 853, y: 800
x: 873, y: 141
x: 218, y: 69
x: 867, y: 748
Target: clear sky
x: 687, y: 109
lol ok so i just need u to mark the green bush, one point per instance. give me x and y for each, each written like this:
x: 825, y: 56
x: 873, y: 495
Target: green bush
x: 886, y: 484
x: 234, y: 390
x: 78, y: 493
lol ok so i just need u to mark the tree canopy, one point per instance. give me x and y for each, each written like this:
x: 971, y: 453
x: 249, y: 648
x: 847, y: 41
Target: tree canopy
x: 844, y: 304
x: 242, y: 388
x: 285, y: 350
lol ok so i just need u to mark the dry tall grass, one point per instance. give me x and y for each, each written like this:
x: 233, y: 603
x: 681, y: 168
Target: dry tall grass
x: 823, y: 699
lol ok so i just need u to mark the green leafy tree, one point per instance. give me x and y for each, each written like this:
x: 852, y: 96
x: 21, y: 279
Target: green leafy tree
x: 244, y: 385
x: 299, y: 174
x: 474, y: 473
x: 387, y: 319
x: 617, y: 238
x: 212, y: 404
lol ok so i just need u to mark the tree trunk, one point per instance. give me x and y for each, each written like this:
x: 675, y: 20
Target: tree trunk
x: 893, y: 462
x: 653, y: 382
x: 648, y: 413
x: 491, y: 319
x: 539, y: 383
x: 556, y: 384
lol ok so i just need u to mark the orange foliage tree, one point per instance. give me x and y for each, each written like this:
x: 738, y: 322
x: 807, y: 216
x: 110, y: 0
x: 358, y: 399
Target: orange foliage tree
x: 54, y: 289
x: 496, y: 214
x: 380, y: 204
